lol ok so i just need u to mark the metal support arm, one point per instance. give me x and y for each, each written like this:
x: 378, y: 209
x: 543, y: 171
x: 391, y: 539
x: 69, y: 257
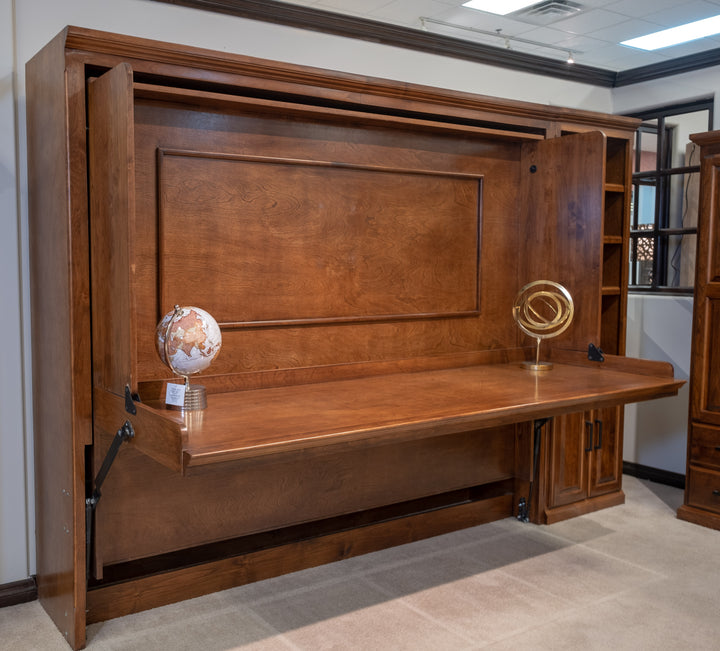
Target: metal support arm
x: 525, y: 505
x: 125, y: 433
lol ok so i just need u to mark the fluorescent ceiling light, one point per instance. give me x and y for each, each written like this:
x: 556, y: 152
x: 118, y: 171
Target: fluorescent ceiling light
x: 676, y: 35
x: 498, y: 7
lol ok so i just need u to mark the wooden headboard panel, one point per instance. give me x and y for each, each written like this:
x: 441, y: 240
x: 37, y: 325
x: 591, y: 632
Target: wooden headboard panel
x: 316, y: 237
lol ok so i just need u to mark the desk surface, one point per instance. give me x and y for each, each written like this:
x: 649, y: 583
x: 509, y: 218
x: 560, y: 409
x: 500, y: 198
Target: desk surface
x: 402, y: 406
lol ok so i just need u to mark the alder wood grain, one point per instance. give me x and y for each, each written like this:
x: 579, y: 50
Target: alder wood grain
x: 62, y: 410
x: 123, y: 598
x: 263, y: 494
x: 307, y: 419
x: 300, y: 242
x: 111, y: 162
x: 398, y: 279
x: 394, y: 407
x: 702, y: 485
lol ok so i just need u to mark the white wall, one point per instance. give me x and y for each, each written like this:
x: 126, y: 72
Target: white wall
x: 13, y: 528
x: 659, y: 327
x: 25, y: 26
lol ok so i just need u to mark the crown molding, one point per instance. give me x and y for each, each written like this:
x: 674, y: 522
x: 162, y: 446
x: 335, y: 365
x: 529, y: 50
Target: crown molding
x: 329, y: 22
x: 668, y: 68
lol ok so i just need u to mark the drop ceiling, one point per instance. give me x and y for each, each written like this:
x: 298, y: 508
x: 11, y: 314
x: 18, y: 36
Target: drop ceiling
x: 591, y: 29
x: 538, y: 40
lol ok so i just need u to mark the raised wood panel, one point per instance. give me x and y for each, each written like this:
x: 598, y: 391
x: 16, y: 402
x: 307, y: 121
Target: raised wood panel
x: 148, y: 509
x: 425, y: 159
x: 606, y: 463
x: 710, y: 264
x: 570, y: 442
x: 710, y: 383
x: 704, y: 445
x: 313, y: 242
x: 703, y: 489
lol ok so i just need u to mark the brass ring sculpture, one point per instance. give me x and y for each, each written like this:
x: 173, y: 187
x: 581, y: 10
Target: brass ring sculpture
x: 542, y: 309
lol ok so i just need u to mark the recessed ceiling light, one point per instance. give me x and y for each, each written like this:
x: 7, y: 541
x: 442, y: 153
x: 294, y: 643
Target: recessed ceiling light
x: 499, y: 8
x: 676, y: 35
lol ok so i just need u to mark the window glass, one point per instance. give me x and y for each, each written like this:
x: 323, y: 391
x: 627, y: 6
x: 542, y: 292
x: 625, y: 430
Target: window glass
x: 679, y: 128
x: 680, y: 252
x: 646, y: 158
x: 683, y: 202
x: 664, y: 201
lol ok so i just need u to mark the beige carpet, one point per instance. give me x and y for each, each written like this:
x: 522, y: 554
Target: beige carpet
x: 630, y: 577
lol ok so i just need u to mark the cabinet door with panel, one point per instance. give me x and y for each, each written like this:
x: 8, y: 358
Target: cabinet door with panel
x: 606, y: 462
x: 585, y: 469
x: 570, y: 445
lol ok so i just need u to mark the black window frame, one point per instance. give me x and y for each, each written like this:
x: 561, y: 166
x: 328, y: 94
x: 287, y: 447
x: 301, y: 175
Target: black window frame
x: 658, y: 236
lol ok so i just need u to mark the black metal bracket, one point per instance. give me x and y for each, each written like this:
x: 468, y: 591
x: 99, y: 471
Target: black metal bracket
x: 524, y: 505
x: 130, y: 407
x: 595, y: 354
x: 125, y: 433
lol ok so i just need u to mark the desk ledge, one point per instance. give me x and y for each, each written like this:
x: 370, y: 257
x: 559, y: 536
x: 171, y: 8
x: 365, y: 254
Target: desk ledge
x: 304, y: 419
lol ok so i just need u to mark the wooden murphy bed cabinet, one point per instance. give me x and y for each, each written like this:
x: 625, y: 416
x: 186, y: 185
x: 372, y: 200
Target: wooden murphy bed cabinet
x: 361, y: 243
x: 702, y: 485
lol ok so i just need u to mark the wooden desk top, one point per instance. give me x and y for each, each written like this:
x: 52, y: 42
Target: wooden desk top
x: 386, y: 408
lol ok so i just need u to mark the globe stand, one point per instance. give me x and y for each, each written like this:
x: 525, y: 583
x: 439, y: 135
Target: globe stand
x: 195, y: 397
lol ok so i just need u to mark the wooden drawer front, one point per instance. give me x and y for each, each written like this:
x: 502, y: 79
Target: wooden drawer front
x: 705, y: 445
x: 704, y: 489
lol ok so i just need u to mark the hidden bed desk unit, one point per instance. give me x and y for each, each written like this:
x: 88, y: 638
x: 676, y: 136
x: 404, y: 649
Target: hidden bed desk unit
x: 360, y: 241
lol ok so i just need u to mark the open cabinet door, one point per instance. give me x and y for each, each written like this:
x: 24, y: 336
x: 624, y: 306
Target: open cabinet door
x: 562, y: 195
x: 111, y: 161
x: 111, y: 164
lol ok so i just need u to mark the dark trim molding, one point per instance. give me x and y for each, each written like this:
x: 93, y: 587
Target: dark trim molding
x: 677, y: 66
x: 329, y: 22
x: 18, y: 592
x: 654, y: 474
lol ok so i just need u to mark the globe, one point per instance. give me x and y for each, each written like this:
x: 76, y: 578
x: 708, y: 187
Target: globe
x: 188, y: 340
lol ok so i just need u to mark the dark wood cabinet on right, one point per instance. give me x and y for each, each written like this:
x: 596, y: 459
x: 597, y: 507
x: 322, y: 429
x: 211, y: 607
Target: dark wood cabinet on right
x: 702, y: 485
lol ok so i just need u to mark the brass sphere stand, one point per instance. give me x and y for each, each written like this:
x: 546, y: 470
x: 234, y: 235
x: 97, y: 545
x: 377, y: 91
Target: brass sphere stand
x: 542, y: 309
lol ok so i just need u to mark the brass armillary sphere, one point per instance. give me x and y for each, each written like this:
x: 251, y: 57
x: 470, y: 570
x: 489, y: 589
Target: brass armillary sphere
x: 542, y: 309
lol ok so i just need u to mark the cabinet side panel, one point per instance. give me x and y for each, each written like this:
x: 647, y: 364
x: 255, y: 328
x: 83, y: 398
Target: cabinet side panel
x: 59, y: 475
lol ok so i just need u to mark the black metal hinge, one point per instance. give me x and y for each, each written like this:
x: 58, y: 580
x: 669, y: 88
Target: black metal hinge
x: 595, y: 354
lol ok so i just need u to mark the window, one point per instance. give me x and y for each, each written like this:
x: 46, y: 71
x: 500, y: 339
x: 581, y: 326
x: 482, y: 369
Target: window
x: 666, y: 181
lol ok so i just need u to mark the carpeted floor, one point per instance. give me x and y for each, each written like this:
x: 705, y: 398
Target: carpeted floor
x: 630, y: 577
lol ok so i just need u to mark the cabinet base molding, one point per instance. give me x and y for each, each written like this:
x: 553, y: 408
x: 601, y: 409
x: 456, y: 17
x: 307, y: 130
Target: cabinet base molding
x: 560, y: 513
x: 124, y: 598
x: 699, y: 516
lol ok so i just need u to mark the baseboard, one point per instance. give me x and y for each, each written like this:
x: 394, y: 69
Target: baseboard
x: 18, y: 592
x: 654, y: 474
